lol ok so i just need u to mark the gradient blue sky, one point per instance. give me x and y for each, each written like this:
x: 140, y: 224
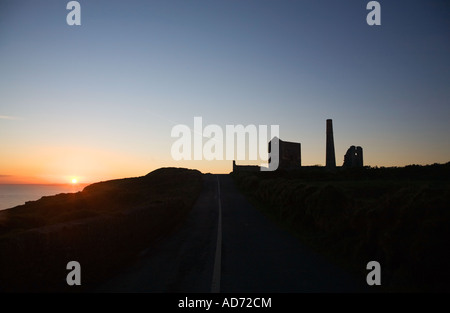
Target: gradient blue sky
x: 98, y: 101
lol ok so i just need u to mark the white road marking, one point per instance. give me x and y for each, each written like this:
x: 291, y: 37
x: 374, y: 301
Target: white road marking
x: 215, y: 286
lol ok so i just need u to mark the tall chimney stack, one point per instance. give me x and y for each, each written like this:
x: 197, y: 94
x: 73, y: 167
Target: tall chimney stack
x: 331, y: 159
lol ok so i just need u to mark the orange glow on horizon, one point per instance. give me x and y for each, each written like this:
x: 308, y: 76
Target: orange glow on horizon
x: 80, y: 165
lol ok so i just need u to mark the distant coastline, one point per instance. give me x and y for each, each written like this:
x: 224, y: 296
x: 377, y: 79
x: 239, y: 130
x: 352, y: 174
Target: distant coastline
x: 12, y: 195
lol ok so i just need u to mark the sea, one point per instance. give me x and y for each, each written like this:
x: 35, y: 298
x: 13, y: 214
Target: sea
x: 18, y: 194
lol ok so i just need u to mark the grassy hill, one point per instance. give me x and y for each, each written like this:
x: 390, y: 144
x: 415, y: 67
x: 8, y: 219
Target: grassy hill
x: 102, y: 227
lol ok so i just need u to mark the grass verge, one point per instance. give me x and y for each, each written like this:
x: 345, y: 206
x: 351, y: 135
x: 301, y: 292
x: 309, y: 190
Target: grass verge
x: 398, y: 217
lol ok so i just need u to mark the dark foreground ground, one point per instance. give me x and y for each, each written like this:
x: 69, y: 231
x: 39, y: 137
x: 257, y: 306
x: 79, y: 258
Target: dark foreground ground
x: 398, y: 217
x: 176, y: 230
x: 256, y: 255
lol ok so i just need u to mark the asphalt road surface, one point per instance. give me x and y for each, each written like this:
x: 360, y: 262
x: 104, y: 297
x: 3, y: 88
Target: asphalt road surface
x: 226, y: 245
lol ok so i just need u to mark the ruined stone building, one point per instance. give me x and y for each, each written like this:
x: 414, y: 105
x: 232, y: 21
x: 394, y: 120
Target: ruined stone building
x: 353, y: 157
x: 290, y: 155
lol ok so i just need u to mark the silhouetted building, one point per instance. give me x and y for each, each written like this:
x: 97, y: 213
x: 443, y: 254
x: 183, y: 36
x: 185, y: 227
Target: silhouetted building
x: 290, y: 156
x: 330, y: 157
x: 290, y: 153
x: 245, y: 168
x: 354, y: 157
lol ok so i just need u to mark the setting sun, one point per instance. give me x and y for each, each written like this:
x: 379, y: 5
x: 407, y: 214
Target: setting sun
x: 74, y: 180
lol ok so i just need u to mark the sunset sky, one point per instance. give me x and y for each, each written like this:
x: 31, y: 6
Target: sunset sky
x: 98, y: 101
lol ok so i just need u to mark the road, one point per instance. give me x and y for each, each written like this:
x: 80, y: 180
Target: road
x: 226, y: 245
